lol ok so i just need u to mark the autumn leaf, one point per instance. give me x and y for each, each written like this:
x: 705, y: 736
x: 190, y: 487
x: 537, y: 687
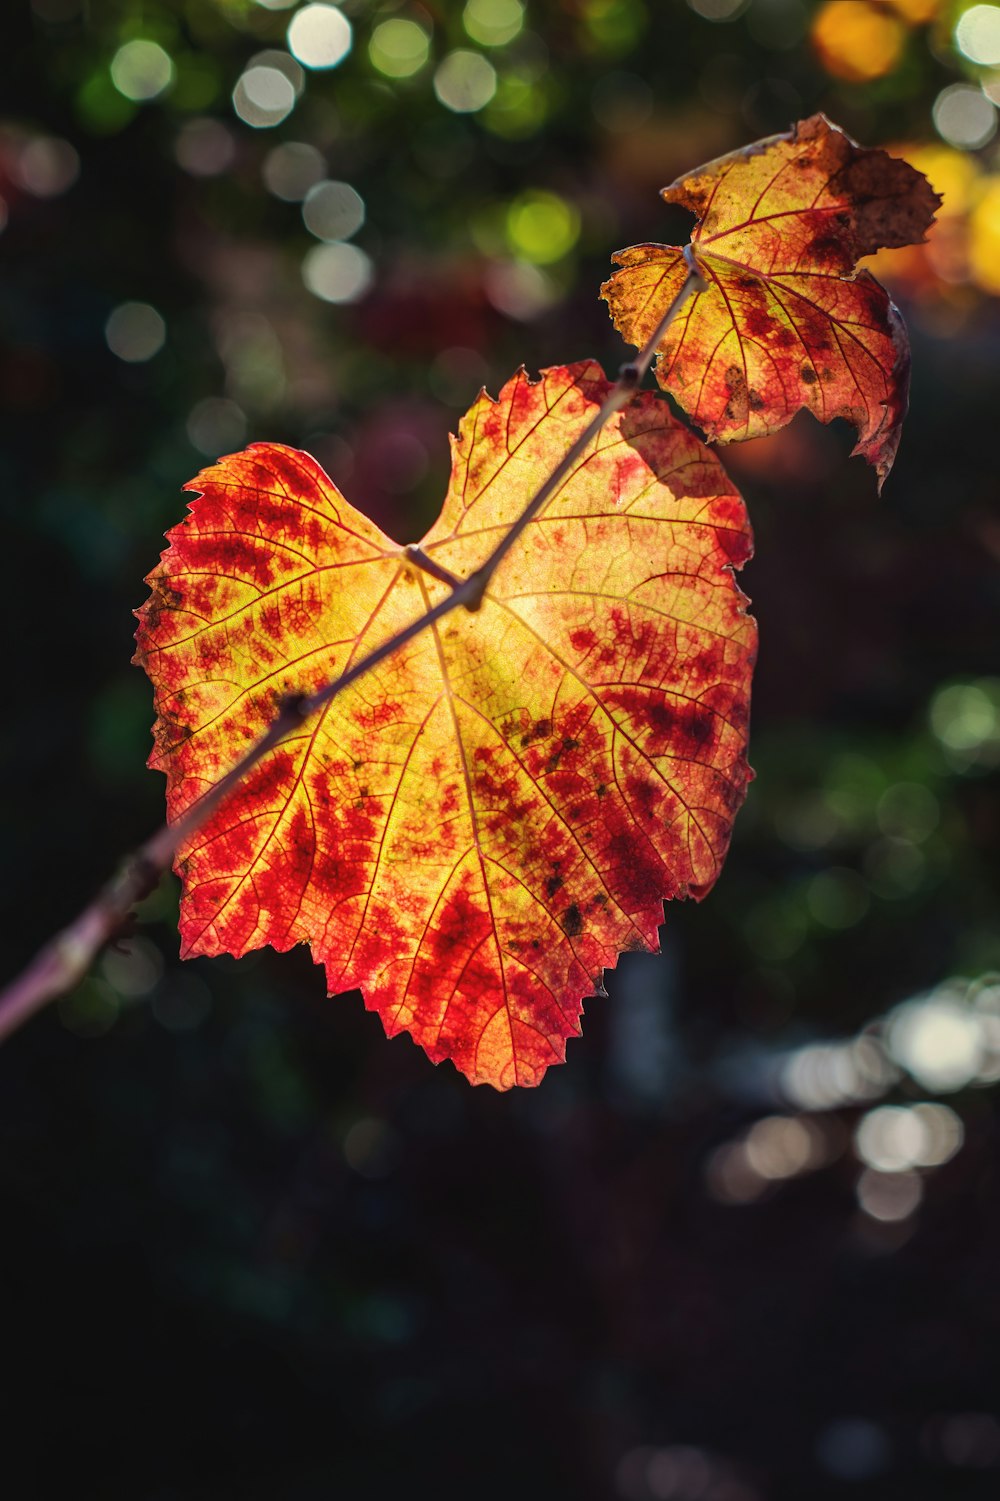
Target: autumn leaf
x: 786, y: 321
x: 479, y: 825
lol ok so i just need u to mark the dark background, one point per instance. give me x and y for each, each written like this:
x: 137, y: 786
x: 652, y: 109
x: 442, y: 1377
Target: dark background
x: 248, y: 1247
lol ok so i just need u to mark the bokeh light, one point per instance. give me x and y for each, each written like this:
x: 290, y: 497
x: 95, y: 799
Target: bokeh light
x: 965, y: 717
x: 493, y: 23
x: 679, y: 1472
x: 944, y: 1134
x: 772, y: 1151
x: 889, y: 1196
x: 894, y: 868
x: 141, y: 70
x: 457, y: 375
x: 519, y: 290
x: 857, y: 41
x: 399, y: 47
x: 337, y: 272
x: 132, y: 968
x: 908, y: 810
x: 251, y: 351
x: 826, y: 1075
x: 730, y: 1179
x: 465, y: 81
x: 939, y: 1040
x: 291, y: 169
x: 967, y: 1440
x: 135, y: 332
x: 542, y: 227
x: 333, y: 211
x: 216, y: 426
x: 781, y: 1146
x: 284, y: 62
x: 205, y: 147
x: 896, y: 1138
x: 319, y: 36
x: 853, y: 1449
x: 944, y: 1040
x: 520, y: 105
x: 264, y: 96
x: 47, y: 166
x: 977, y: 34
x: 964, y: 117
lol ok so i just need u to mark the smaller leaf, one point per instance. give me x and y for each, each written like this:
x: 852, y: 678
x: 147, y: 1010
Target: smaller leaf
x: 786, y: 321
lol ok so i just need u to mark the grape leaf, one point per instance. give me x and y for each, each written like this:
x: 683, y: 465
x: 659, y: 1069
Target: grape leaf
x: 480, y: 824
x: 786, y: 321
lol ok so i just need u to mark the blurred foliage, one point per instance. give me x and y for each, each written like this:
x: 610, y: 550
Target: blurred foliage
x: 254, y: 1249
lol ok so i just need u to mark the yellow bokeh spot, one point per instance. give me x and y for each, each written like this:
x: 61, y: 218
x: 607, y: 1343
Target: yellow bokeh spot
x: 399, y: 48
x: 953, y: 174
x: 984, y: 238
x: 857, y: 42
x: 542, y: 227
x: 493, y: 23
x: 518, y: 108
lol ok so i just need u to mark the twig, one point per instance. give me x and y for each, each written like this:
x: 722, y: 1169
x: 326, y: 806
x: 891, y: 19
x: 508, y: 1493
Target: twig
x: 67, y: 957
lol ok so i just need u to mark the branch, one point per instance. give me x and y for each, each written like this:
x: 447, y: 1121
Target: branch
x: 64, y: 961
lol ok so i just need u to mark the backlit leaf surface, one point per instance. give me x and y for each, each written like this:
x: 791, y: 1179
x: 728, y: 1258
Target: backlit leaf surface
x: 478, y: 826
x: 786, y: 322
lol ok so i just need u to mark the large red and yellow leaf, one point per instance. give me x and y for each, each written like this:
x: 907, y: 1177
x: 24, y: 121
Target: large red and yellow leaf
x: 786, y: 321
x: 478, y: 826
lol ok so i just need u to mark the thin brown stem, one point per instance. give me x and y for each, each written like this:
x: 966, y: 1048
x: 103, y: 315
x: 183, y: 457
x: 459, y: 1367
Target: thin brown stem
x: 416, y: 554
x: 67, y: 957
